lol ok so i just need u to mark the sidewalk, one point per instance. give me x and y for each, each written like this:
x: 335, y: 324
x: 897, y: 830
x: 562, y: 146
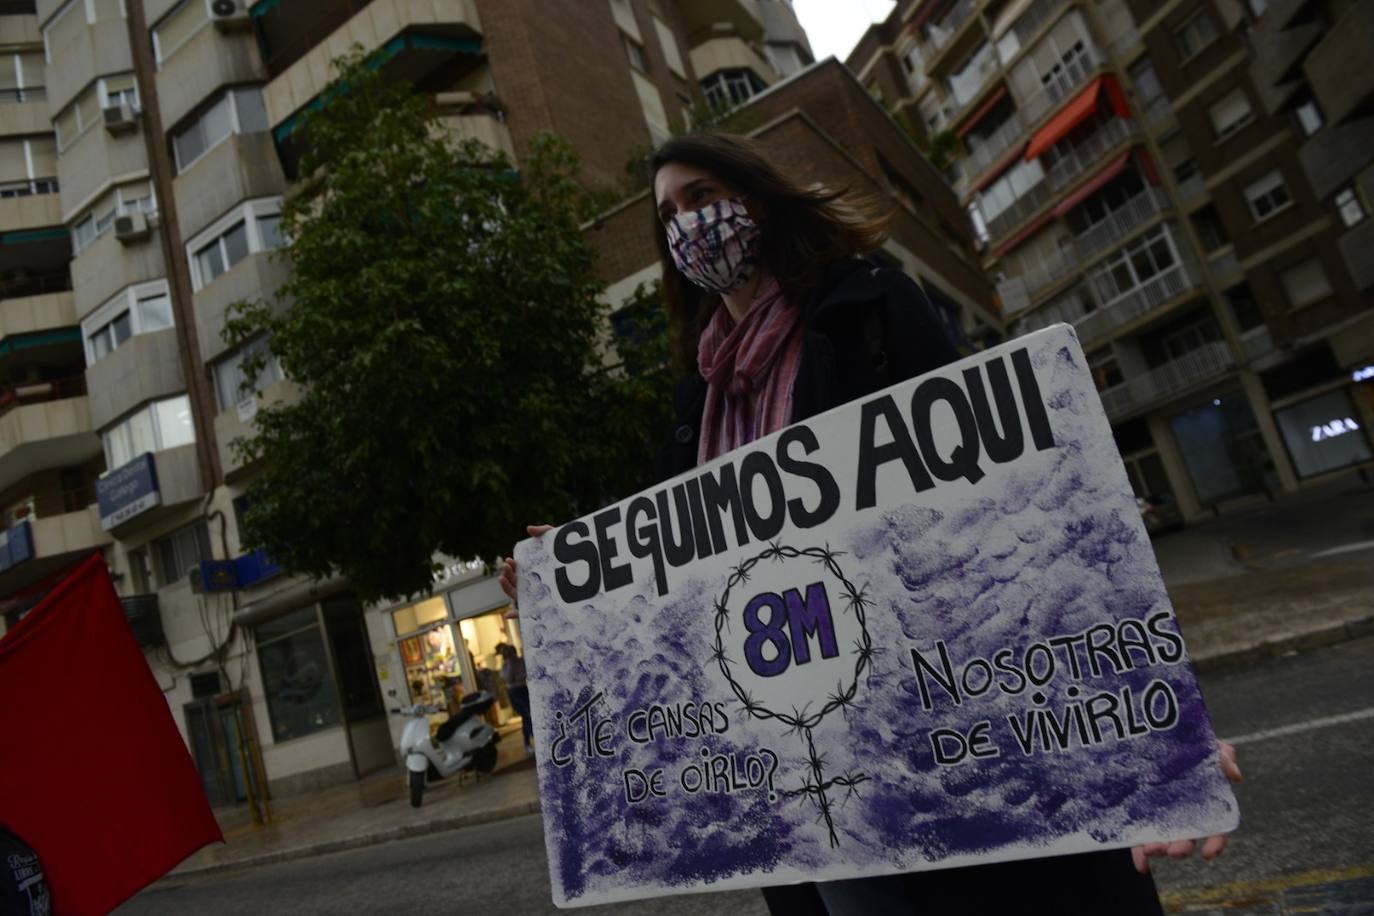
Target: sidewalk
x: 1245, y: 587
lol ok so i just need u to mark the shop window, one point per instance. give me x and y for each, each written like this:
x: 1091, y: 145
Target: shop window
x: 1305, y: 283
x: 1323, y: 434
x: 1350, y: 206
x: 429, y: 654
x: 1222, y: 449
x: 296, y: 680
x: 1196, y: 34
x: 1267, y: 196
x: 180, y: 551
x: 1231, y: 113
x: 1248, y: 313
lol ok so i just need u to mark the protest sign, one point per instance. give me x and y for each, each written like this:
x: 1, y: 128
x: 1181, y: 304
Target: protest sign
x: 922, y: 630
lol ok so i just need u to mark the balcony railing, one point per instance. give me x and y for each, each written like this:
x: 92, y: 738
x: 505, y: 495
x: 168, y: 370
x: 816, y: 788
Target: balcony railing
x: 1086, y: 154
x: 1191, y: 368
x: 41, y: 392
x: 1058, y: 266
x: 1142, y: 300
x: 1125, y: 40
x: 1257, y: 343
x: 1074, y: 74
x: 328, y: 17
x: 1224, y: 267
x: 1120, y: 222
x: 39, y: 285
x: 29, y: 187
x: 27, y: 94
x: 993, y: 148
x: 941, y: 32
x: 1191, y: 187
x: 1030, y: 22
x: 1011, y: 218
x: 1159, y: 112
x: 972, y: 82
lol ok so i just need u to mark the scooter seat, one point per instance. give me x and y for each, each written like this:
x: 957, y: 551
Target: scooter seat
x: 465, y: 711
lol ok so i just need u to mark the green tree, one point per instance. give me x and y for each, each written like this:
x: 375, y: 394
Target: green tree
x: 458, y: 376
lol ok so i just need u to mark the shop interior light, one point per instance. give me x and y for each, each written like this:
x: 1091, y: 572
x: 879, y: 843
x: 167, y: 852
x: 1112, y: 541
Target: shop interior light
x: 1363, y: 374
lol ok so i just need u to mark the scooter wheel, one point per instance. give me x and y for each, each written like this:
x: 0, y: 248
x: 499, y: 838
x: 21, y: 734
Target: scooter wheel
x: 484, y: 758
x: 417, y: 788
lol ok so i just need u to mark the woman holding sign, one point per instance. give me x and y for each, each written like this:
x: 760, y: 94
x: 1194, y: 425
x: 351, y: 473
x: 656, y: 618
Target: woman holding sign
x: 775, y: 317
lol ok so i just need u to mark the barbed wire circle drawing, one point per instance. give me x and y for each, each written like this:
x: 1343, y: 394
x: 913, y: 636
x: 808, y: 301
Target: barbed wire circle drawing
x: 802, y: 718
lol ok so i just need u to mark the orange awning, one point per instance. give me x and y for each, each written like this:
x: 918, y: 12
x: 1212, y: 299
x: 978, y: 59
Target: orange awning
x: 1093, y: 184
x: 1073, y: 114
x: 983, y: 109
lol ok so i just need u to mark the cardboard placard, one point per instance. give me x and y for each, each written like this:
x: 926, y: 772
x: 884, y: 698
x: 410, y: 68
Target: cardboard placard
x: 922, y: 630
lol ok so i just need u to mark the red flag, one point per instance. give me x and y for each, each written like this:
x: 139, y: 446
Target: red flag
x: 96, y: 777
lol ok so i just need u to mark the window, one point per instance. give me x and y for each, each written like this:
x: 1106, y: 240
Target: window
x: 1350, y: 206
x: 296, y: 680
x: 1309, y: 115
x: 1146, y: 81
x: 1231, y: 113
x: 231, y: 382
x: 181, y: 550
x: 636, y: 54
x: 1323, y: 434
x: 1209, y: 228
x: 1267, y: 196
x: 1248, y: 313
x: 729, y: 88
x: 247, y: 229
x: 132, y: 198
x: 85, y: 111
x: 1257, y: 7
x: 672, y: 55
x: 1185, y: 171
x: 21, y: 76
x: 110, y: 336
x: 1134, y: 266
x: 159, y: 425
x: 27, y: 167
x: 238, y: 111
x: 1196, y: 34
x: 177, y: 27
x: 64, y: 29
x: 1305, y: 283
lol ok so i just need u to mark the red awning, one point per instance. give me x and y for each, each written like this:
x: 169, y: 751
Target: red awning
x: 1087, y: 188
x: 1073, y: 114
x: 1024, y: 234
x: 996, y: 172
x: 983, y: 109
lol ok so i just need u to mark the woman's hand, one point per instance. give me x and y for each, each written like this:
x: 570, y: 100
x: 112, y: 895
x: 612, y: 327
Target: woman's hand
x: 1212, y: 847
x: 508, y: 580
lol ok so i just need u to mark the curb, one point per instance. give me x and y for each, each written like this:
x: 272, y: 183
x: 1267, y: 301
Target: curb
x: 1294, y: 642
x: 401, y: 832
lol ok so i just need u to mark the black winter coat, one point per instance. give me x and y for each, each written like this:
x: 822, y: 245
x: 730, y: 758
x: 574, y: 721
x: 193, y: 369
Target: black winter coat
x: 865, y: 329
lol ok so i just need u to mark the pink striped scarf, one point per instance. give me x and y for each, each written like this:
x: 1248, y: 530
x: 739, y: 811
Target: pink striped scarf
x: 750, y: 370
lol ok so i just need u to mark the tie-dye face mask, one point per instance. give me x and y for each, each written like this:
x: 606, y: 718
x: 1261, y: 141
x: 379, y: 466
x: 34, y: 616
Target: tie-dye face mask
x: 715, y: 247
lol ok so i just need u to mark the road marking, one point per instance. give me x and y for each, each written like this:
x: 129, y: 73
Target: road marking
x: 1267, y: 886
x: 1299, y: 727
x: 1345, y: 548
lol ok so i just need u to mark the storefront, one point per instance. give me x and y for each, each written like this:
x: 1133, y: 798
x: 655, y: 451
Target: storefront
x: 1223, y: 450
x: 436, y: 650
x: 1324, y: 432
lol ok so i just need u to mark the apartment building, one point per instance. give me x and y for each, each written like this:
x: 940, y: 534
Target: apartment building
x: 1122, y: 173
x: 147, y: 147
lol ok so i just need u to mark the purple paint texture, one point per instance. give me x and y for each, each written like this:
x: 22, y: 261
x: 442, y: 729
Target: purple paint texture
x: 1056, y: 552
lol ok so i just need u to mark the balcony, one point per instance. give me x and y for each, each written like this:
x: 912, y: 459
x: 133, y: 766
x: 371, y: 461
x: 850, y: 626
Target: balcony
x: 143, y: 368
x: 968, y: 86
x: 743, y: 17
x: 1277, y: 48
x: 30, y: 211
x: 238, y: 168
x: 259, y: 275
x: 947, y: 34
x: 24, y: 111
x: 488, y: 128
x: 1144, y: 299
x: 1159, y: 114
x: 995, y: 146
x: 717, y: 52
x: 1337, y: 68
x: 235, y: 424
x: 107, y: 265
x: 1120, y: 223
x: 1257, y: 344
x: 208, y: 61
x: 1225, y: 267
x: 1087, y: 154
x: 45, y: 426
x: 388, y: 28
x: 1336, y: 154
x: 1142, y: 391
x: 40, y: 546
x: 148, y: 488
x: 1074, y: 75
x: 1001, y: 226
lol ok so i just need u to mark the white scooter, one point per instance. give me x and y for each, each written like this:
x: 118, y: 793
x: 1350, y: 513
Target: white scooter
x: 464, y: 742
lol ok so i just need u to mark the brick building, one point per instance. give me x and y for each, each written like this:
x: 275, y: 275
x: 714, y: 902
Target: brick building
x: 1132, y: 168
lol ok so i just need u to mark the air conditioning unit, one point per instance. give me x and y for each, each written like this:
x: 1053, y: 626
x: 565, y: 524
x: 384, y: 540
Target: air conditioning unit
x: 120, y: 118
x: 228, y: 14
x: 131, y: 227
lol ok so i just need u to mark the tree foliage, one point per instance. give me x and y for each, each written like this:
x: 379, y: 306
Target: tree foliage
x: 457, y: 375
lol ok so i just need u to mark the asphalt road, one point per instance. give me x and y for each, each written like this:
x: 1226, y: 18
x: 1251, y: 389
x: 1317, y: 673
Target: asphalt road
x: 1305, y: 729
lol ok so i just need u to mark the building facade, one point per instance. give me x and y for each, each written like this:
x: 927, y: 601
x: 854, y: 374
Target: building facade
x: 1131, y: 168
x: 147, y: 146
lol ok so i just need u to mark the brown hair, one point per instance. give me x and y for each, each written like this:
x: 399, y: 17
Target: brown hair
x: 802, y: 230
